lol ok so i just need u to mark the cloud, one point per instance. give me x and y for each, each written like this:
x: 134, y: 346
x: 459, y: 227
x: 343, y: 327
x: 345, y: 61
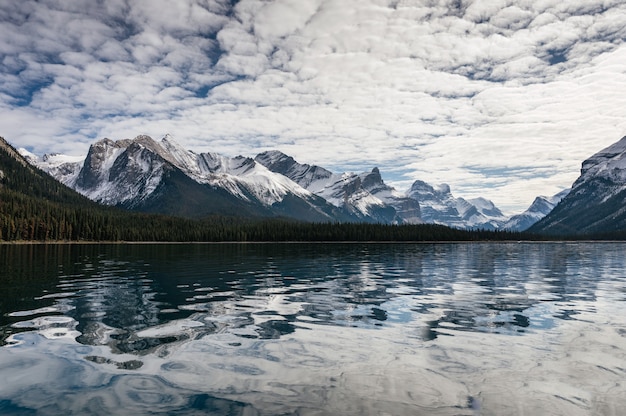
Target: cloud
x: 282, y: 18
x: 501, y: 99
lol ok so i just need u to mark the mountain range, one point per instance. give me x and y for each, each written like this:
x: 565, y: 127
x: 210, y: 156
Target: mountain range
x: 142, y: 174
x: 36, y: 207
x: 162, y: 177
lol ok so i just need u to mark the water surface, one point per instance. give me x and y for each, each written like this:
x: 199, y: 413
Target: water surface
x: 337, y: 329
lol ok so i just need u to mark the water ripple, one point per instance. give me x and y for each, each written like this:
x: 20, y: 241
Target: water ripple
x: 460, y: 329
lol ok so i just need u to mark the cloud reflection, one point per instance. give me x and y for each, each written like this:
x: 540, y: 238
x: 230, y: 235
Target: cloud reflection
x: 342, y: 329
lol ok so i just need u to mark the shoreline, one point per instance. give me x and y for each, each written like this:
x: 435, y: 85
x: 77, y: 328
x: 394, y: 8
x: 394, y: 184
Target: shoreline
x: 66, y: 242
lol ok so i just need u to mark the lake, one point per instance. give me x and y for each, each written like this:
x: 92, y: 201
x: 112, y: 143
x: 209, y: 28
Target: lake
x: 313, y: 329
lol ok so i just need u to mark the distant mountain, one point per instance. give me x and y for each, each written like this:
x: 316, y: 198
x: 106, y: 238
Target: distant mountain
x: 18, y: 176
x: 596, y: 203
x: 439, y: 206
x: 364, y: 195
x: 36, y: 207
x: 162, y: 177
x: 541, y: 206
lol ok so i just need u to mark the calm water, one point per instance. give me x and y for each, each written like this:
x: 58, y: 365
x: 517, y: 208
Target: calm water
x: 313, y: 329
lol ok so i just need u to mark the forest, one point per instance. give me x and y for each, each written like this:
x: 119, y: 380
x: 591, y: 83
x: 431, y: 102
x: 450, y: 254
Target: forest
x: 25, y: 218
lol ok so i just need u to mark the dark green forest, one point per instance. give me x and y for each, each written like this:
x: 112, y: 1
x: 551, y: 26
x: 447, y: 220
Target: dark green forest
x: 36, y: 207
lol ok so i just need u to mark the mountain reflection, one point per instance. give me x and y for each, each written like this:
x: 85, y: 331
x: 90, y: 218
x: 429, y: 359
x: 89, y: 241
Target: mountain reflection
x: 114, y: 293
x: 306, y: 328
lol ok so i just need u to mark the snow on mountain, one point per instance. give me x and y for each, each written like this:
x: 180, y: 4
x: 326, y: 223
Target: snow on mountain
x: 439, y: 206
x: 338, y: 189
x: 131, y: 171
x: 127, y: 172
x: 123, y: 172
x: 62, y: 167
x: 407, y: 209
x: 31, y: 157
x: 597, y: 200
x: 485, y: 209
x: 364, y: 195
x: 366, y: 192
x: 609, y: 163
x: 541, y: 206
x: 241, y: 175
x: 346, y: 190
x: 309, y: 177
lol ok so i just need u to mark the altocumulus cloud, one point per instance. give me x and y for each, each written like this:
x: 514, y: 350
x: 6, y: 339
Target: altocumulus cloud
x: 498, y: 98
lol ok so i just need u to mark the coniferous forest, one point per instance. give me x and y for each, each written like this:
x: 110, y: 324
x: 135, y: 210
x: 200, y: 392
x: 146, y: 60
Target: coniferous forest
x: 36, y: 207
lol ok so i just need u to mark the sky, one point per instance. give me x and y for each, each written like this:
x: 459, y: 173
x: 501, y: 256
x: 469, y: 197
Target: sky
x: 497, y: 98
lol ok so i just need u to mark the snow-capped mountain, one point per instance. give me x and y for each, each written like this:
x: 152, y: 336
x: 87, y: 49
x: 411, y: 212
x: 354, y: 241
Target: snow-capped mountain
x: 597, y: 200
x: 541, y: 206
x: 364, y: 195
x: 146, y: 175
x: 439, y: 206
x: 163, y: 177
x: 307, y: 176
x: 407, y: 209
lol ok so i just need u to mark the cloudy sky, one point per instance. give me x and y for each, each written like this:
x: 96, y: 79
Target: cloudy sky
x: 498, y: 98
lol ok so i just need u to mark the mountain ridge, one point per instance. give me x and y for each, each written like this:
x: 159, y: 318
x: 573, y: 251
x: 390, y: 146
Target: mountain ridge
x: 540, y: 207
x: 139, y: 173
x: 596, y: 203
x: 36, y: 207
x: 129, y: 172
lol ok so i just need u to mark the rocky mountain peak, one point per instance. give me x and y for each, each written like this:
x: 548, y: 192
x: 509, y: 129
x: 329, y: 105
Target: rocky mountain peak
x: 424, y: 189
x: 95, y: 163
x: 303, y: 174
x: 609, y: 163
x: 274, y: 156
x: 373, y: 181
x: 443, y: 188
x: 596, y: 201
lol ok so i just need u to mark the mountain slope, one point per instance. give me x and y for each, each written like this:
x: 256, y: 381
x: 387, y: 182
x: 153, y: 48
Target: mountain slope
x: 541, y: 206
x: 19, y: 176
x: 35, y: 206
x: 439, y: 206
x: 144, y: 175
x: 407, y: 209
x: 597, y: 200
x: 162, y: 177
x: 364, y: 195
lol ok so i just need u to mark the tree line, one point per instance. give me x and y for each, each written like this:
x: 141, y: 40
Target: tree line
x: 36, y: 207
x: 29, y: 219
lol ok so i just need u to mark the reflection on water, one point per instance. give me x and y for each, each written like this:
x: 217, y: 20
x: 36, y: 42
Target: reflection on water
x: 450, y: 329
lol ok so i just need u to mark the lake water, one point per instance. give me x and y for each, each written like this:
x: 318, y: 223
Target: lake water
x: 313, y: 329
